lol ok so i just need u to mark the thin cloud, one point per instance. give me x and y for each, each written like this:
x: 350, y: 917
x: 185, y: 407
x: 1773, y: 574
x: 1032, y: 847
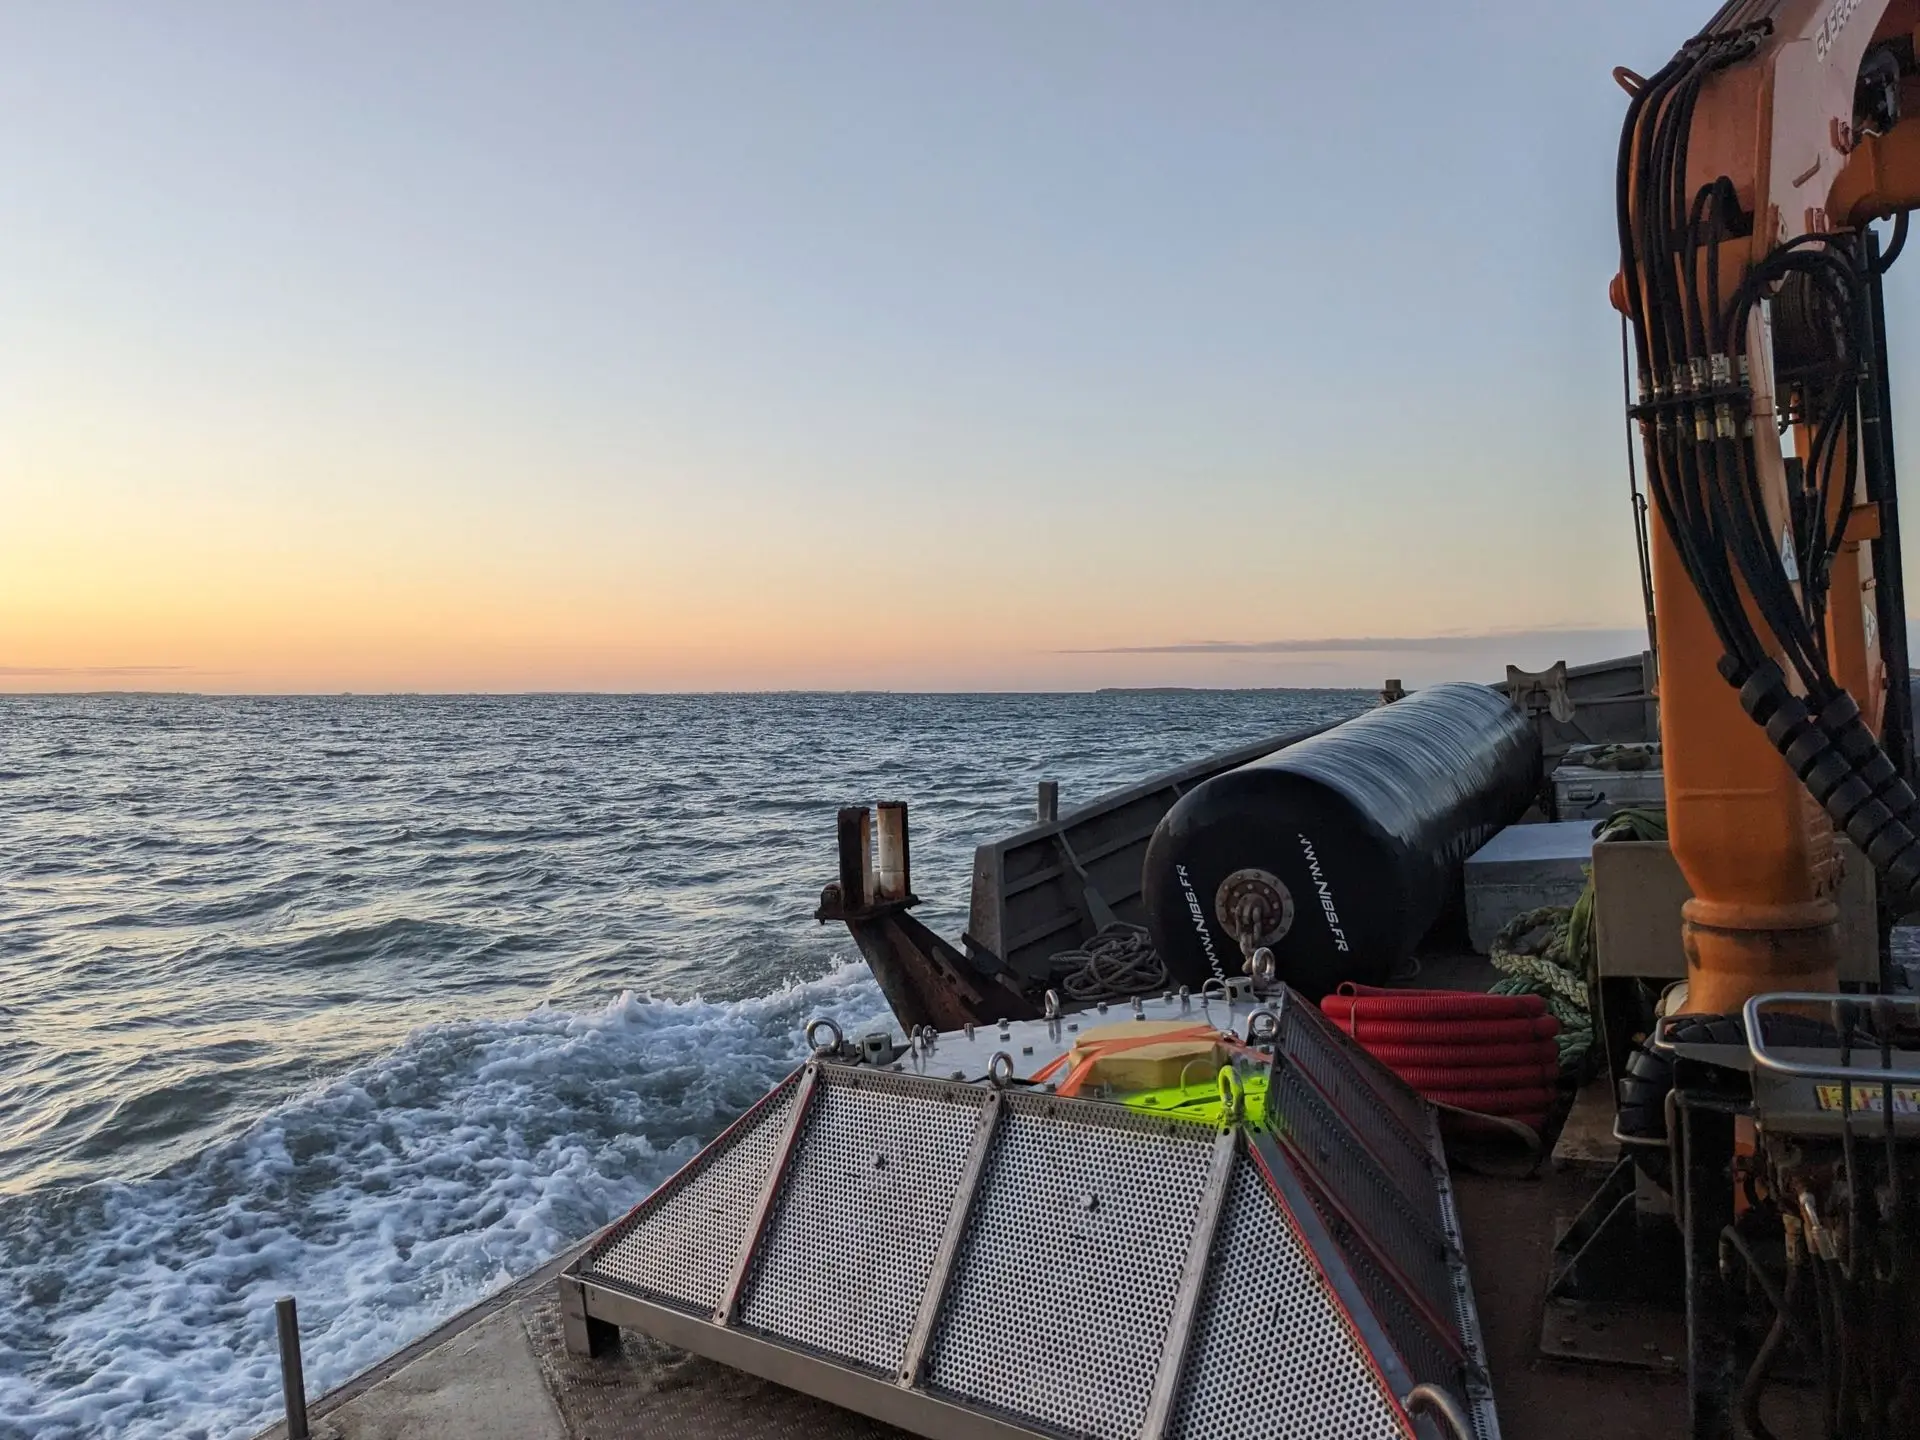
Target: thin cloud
x: 1373, y: 644
x: 24, y: 670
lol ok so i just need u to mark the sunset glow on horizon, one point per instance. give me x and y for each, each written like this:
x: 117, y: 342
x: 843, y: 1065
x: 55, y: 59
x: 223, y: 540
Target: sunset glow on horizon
x: 729, y: 348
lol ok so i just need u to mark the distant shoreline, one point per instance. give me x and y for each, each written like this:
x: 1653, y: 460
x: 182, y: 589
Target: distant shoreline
x: 1211, y: 689
x: 6, y: 695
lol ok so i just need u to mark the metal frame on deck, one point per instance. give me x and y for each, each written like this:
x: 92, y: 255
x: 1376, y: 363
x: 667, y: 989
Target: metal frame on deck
x: 728, y: 1310
x: 1173, y: 1350
x: 914, y: 1362
x: 883, y: 1400
x: 911, y: 1386
x: 593, y: 1311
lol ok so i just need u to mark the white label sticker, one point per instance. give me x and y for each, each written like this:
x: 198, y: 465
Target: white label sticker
x: 1789, y: 561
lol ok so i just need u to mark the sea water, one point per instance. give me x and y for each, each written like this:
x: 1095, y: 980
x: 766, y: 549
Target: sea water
x: 385, y: 1001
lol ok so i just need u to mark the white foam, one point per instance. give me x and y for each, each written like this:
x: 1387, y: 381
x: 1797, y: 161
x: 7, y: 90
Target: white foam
x: 386, y: 1201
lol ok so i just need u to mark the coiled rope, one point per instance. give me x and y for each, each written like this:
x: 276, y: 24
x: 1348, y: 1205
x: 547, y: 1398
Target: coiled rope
x: 1549, y: 952
x: 1117, y: 962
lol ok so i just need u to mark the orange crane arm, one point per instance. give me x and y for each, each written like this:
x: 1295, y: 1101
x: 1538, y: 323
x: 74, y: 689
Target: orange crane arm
x: 1750, y: 166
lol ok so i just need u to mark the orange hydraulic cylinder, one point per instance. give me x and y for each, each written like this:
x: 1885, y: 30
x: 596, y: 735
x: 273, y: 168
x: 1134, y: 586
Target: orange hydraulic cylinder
x: 1755, y: 850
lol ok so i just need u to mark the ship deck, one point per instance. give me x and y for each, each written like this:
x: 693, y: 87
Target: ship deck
x: 501, y: 1372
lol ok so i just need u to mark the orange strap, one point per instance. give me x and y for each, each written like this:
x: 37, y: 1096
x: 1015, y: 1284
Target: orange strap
x: 1098, y: 1050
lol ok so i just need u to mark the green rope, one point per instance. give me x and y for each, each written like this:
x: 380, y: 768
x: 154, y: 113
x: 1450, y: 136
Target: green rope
x: 1632, y: 824
x: 1624, y: 756
x: 1549, y: 952
x: 1534, y: 953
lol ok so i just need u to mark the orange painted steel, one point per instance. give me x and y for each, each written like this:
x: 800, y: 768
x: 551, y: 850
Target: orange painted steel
x: 1881, y: 177
x: 1756, y: 851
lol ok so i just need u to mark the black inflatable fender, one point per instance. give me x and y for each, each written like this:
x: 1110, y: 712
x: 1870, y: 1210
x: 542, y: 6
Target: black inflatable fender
x: 1350, y: 843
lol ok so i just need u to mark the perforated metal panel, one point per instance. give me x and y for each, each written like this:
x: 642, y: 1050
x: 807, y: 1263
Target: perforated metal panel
x: 1380, y: 1148
x: 1066, y: 1278
x: 1274, y: 1353
x: 1403, y: 1232
x: 1389, y: 1118
x: 859, y: 1216
x: 1429, y: 1351
x: 967, y: 1263
x: 680, y: 1244
x: 1477, y: 1386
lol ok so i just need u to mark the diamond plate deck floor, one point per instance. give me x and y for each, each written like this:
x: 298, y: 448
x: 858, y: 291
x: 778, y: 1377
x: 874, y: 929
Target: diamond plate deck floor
x: 649, y: 1390
x: 443, y: 1386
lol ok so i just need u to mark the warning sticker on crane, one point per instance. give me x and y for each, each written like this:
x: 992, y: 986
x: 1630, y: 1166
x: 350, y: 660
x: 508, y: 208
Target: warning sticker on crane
x: 1869, y: 1099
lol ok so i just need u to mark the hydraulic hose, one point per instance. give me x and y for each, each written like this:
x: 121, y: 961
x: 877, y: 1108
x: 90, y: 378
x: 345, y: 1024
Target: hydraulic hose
x: 1703, y: 465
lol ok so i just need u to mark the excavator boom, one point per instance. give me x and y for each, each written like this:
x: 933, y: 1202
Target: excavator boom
x: 1750, y: 168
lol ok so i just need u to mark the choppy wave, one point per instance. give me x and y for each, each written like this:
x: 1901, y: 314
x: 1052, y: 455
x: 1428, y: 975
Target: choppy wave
x: 409, y: 915
x: 385, y: 1200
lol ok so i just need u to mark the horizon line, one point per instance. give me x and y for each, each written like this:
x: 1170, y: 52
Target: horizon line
x: 1446, y: 643
x: 640, y: 694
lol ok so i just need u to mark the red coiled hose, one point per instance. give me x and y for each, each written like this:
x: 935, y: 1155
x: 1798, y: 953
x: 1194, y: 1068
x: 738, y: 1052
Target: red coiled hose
x: 1467, y: 1075
x: 1404, y: 1005
x: 1517, y: 1052
x: 1491, y: 1054
x: 1497, y: 1102
x: 1448, y: 1032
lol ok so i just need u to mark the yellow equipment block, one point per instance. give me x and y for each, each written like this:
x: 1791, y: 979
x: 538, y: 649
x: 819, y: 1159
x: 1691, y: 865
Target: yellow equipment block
x: 1130, y: 1058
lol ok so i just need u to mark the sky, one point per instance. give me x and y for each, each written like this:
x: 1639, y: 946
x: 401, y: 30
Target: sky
x: 473, y: 346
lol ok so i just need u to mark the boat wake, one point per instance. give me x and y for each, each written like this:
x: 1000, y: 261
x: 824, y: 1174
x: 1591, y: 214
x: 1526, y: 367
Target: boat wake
x: 222, y: 902
x: 386, y: 1200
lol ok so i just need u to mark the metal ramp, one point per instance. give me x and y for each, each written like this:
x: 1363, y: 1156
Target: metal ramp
x: 962, y: 1260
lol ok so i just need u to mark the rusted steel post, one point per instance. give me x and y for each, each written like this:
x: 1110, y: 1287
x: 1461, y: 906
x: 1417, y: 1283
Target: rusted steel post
x: 856, y: 857
x: 895, y: 867
x: 293, y: 1380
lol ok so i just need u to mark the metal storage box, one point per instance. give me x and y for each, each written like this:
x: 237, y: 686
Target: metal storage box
x: 1523, y: 868
x: 1593, y: 792
x: 1638, y: 891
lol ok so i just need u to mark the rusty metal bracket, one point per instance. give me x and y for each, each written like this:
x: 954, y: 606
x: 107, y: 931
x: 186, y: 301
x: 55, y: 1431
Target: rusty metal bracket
x: 1535, y: 691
